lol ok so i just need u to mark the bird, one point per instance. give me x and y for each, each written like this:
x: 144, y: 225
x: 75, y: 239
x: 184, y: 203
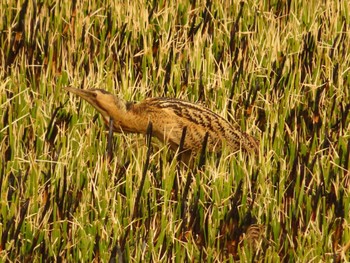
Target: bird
x: 169, y: 117
x: 254, y: 235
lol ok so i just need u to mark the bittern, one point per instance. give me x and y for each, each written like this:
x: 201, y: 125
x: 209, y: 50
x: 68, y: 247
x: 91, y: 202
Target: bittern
x: 169, y: 116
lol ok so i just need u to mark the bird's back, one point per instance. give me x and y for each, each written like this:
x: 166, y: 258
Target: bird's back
x: 169, y: 116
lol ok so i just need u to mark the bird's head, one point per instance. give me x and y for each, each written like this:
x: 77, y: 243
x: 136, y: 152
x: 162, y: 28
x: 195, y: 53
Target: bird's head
x: 104, y: 102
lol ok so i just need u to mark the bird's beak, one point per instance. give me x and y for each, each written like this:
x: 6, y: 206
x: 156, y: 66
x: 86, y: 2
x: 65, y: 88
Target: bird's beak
x: 88, y: 95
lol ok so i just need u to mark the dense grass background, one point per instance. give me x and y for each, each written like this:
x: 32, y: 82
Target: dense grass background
x: 279, y: 69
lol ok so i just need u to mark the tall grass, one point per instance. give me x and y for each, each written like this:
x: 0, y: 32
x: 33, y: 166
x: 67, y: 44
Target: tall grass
x: 278, y: 69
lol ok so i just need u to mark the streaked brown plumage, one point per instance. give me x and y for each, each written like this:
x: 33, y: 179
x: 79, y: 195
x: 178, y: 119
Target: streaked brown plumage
x: 254, y: 235
x: 169, y: 116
